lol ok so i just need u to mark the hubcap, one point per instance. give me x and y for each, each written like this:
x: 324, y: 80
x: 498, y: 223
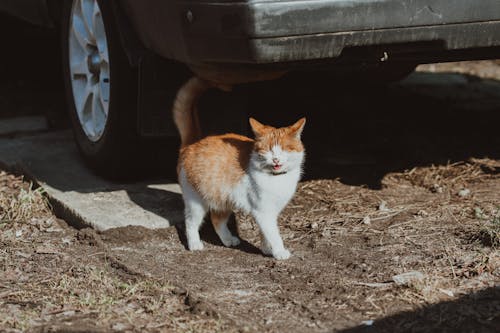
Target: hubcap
x: 94, y: 63
x: 89, y: 67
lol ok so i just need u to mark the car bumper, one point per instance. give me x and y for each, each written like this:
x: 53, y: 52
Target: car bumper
x: 270, y: 32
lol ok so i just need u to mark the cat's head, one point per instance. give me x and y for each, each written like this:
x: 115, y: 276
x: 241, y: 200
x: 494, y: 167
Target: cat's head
x: 278, y: 150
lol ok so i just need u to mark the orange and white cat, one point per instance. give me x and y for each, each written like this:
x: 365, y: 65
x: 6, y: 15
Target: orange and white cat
x: 221, y: 173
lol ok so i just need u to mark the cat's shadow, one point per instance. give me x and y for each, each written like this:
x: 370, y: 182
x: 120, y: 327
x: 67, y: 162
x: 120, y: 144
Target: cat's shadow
x: 208, y: 235
x: 155, y: 200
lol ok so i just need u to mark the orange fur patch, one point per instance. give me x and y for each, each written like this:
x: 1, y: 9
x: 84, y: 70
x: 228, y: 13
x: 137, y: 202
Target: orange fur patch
x: 279, y: 137
x: 288, y: 138
x: 215, y: 164
x: 219, y: 217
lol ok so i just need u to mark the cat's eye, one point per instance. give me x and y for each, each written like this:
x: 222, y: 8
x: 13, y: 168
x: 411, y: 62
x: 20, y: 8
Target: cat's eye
x: 261, y: 156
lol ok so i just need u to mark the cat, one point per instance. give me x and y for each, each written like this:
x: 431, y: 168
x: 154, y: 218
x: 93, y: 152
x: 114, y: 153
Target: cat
x: 221, y: 173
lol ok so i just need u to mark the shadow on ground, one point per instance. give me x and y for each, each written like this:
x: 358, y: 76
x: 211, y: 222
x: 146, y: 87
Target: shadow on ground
x: 469, y: 313
x: 359, y: 133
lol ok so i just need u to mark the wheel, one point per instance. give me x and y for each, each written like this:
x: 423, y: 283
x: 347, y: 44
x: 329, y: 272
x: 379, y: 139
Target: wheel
x: 101, y: 92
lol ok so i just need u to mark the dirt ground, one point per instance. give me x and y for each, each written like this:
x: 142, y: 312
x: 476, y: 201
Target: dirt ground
x: 403, y: 178
x: 423, y: 201
x: 348, y: 243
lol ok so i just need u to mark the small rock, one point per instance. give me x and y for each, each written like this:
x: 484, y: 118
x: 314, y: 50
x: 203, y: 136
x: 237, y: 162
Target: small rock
x: 326, y: 233
x: 367, y: 220
x: 313, y: 225
x: 68, y: 313
x: 383, y: 207
x: 436, y: 188
x: 19, y: 233
x: 367, y: 322
x: 66, y: 240
x: 422, y: 213
x: 464, y: 192
x: 447, y: 292
x: 407, y: 278
x: 478, y: 213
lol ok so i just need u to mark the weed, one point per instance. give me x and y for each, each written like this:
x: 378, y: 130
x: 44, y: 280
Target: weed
x: 489, y: 234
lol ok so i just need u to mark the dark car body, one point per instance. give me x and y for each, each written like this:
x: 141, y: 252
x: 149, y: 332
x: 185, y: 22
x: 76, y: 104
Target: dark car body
x: 282, y: 31
x: 226, y: 35
x: 33, y: 11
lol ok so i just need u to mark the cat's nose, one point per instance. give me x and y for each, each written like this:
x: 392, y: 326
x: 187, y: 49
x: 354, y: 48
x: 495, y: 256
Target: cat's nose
x: 276, y: 160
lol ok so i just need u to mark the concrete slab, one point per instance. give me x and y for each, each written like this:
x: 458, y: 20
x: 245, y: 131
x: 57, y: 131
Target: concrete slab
x: 82, y: 198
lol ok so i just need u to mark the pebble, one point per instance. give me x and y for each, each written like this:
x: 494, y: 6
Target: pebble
x: 447, y: 292
x: 436, y: 188
x: 66, y: 240
x: 367, y: 220
x: 464, y: 192
x: 405, y: 279
x: 422, y: 213
x: 383, y: 207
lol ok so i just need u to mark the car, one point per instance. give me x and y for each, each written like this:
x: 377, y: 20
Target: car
x: 123, y: 61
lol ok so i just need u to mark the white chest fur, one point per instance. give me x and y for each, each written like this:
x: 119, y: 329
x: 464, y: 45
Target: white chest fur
x: 265, y: 192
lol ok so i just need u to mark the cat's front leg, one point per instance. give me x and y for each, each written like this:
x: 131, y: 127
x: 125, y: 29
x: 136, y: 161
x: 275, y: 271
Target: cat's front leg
x: 272, y: 244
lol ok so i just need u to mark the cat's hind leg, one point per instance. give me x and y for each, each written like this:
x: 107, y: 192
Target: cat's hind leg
x: 219, y: 221
x: 195, y: 210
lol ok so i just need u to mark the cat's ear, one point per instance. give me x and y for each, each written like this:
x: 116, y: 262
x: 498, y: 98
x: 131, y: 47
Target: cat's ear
x: 257, y: 128
x: 296, y: 129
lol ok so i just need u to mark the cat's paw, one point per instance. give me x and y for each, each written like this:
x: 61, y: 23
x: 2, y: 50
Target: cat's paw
x: 231, y: 241
x: 282, y: 254
x: 195, y: 246
x: 266, y: 249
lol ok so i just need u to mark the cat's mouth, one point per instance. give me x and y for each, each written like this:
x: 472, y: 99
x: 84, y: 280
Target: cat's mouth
x: 277, y: 169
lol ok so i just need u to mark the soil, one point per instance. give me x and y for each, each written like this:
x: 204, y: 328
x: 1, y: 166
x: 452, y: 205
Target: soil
x: 348, y: 243
x: 399, y: 179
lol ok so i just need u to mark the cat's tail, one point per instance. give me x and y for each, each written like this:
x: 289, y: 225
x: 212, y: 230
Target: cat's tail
x: 185, y: 112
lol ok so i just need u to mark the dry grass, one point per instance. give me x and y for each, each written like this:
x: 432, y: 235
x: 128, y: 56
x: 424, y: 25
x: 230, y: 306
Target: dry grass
x: 490, y: 233
x: 19, y: 202
x: 49, y: 279
x: 423, y: 224
x: 50, y: 276
x: 443, y: 177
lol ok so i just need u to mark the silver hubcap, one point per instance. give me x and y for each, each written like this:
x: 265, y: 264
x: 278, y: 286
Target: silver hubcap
x: 89, y: 67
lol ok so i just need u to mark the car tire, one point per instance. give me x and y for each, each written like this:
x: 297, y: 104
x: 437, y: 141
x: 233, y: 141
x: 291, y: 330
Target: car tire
x: 101, y: 91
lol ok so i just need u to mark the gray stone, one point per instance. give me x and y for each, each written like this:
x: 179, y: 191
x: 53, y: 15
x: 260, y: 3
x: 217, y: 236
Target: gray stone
x: 464, y: 192
x: 408, y: 278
